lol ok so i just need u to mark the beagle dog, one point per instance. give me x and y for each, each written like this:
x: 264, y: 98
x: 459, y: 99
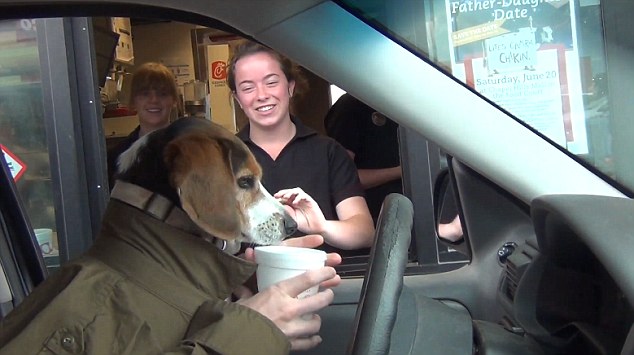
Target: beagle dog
x: 208, y: 173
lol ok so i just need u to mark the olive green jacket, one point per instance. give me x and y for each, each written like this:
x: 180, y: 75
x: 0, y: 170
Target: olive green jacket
x: 143, y: 288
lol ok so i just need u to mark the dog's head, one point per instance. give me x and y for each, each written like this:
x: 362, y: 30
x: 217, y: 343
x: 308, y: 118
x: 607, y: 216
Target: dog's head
x: 211, y: 174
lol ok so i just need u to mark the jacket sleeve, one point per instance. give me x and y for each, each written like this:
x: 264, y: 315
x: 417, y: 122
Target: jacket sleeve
x: 220, y: 327
x: 216, y: 328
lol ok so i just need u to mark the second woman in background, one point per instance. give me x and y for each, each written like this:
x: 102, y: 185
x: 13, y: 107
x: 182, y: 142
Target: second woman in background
x: 313, y: 174
x: 153, y: 95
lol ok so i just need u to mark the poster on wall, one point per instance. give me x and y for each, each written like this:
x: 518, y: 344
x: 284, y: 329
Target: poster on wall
x: 523, y: 55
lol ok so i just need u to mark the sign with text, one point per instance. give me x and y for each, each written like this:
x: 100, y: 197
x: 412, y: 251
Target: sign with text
x: 536, y: 93
x: 512, y: 51
x: 523, y: 55
x: 473, y: 21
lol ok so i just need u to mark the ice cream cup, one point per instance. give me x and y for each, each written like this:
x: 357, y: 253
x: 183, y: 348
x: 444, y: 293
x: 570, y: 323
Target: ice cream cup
x: 277, y: 263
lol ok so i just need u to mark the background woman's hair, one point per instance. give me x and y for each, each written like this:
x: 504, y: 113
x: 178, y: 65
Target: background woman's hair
x: 153, y: 76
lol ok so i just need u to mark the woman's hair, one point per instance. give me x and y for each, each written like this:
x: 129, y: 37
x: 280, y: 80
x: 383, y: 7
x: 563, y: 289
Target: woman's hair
x: 153, y: 76
x: 246, y: 48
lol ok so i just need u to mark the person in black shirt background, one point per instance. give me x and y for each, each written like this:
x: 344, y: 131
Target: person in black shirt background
x: 371, y: 139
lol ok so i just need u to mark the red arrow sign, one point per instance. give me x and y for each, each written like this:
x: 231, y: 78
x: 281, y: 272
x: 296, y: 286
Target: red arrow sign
x: 16, y: 166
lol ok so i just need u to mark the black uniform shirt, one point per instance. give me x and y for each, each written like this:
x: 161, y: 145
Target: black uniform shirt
x: 316, y: 163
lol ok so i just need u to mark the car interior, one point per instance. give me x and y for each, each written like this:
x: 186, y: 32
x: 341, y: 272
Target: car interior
x: 544, y: 263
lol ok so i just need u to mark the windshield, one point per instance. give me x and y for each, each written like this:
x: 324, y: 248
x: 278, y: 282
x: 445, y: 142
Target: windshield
x: 544, y: 61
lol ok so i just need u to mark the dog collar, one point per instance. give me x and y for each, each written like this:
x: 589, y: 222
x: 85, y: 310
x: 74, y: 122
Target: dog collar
x: 164, y: 210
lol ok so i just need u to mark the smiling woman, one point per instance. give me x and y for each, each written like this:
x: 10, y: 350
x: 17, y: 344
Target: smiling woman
x: 294, y: 157
x: 153, y: 95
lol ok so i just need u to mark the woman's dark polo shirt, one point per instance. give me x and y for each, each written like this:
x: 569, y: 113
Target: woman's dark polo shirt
x: 316, y: 163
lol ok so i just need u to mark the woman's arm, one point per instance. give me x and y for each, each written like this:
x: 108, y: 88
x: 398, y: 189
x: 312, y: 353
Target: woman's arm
x: 353, y: 230
x: 374, y: 177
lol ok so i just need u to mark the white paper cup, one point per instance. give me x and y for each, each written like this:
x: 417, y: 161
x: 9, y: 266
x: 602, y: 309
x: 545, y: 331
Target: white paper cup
x: 278, y: 263
x: 45, y: 240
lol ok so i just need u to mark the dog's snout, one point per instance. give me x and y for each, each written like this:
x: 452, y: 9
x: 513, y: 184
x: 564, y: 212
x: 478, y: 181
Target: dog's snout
x: 290, y: 226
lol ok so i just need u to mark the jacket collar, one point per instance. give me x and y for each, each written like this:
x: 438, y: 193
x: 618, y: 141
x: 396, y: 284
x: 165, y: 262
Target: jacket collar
x: 176, y: 249
x: 163, y: 209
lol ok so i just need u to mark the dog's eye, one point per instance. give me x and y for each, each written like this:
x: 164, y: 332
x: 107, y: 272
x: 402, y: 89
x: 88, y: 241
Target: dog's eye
x: 246, y: 182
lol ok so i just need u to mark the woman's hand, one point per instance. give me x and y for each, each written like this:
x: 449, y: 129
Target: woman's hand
x: 303, y: 208
x: 353, y: 228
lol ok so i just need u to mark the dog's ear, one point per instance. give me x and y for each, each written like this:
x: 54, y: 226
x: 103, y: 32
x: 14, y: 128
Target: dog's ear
x: 199, y: 169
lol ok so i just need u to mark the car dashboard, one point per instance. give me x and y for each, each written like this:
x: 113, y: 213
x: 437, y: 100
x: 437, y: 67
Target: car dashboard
x: 565, y: 289
x: 569, y: 290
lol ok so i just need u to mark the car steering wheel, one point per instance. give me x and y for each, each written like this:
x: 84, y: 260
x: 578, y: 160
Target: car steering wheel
x: 383, y: 282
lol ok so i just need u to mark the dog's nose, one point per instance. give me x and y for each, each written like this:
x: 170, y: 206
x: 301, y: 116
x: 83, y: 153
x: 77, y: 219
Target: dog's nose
x: 290, y: 226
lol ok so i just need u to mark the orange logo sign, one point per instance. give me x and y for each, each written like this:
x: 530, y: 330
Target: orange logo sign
x: 219, y: 70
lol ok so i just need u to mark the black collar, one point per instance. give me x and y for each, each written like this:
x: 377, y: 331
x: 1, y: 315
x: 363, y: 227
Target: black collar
x: 301, y: 131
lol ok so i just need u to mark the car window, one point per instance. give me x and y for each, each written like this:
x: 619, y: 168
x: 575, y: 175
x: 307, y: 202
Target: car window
x: 22, y: 130
x: 195, y: 52
x: 451, y: 34
x: 42, y: 183
x: 545, y: 62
